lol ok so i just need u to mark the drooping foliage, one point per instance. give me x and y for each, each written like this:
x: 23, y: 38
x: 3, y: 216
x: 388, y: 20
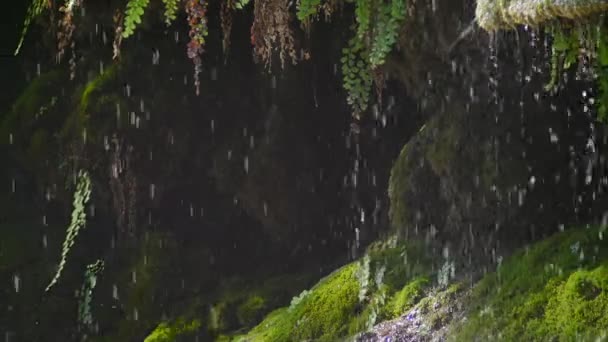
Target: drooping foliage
x: 35, y: 9
x: 493, y: 15
x: 197, y: 20
x: 133, y: 15
x: 271, y: 28
x: 171, y: 8
x: 377, y: 26
x: 85, y: 316
x: 572, y: 46
x: 82, y: 196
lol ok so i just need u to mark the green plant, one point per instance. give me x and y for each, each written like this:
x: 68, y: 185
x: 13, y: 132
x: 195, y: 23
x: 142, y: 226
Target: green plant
x: 170, y: 10
x: 35, y: 9
x: 170, y: 331
x: 405, y: 298
x: 79, y: 216
x: 388, y: 23
x: 356, y: 75
x: 564, y: 52
x: 554, y: 290
x: 133, y: 14
x: 251, y: 310
x: 307, y: 9
x: 85, y: 316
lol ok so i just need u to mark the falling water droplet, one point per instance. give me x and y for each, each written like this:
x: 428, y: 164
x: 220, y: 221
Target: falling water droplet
x: 273, y: 82
x: 16, y: 283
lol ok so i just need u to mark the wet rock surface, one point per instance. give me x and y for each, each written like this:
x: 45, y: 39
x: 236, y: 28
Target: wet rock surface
x: 429, y: 320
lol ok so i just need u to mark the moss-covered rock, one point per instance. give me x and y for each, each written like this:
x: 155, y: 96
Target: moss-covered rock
x: 170, y: 331
x: 407, y: 297
x: 321, y: 314
x: 554, y: 290
x: 251, y: 310
x: 493, y: 15
x: 349, y: 300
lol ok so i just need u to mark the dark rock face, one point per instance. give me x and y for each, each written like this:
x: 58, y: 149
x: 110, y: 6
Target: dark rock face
x: 501, y: 162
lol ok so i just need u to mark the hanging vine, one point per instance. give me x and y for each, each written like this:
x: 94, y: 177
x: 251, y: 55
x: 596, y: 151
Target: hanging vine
x: 197, y: 20
x: 85, y: 315
x: 584, y: 41
x: 82, y: 196
x: 226, y: 12
x: 271, y: 29
x: 133, y: 14
x: 66, y: 27
x: 386, y: 31
x: 34, y: 10
x: 376, y: 31
x: 356, y: 75
x: 171, y: 7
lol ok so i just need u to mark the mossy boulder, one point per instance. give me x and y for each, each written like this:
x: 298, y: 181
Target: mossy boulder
x: 493, y: 15
x: 170, y: 331
x: 554, y: 290
x: 349, y: 300
x: 407, y: 297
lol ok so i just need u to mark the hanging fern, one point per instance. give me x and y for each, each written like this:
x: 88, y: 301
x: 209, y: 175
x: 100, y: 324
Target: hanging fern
x: 85, y: 316
x: 171, y: 9
x: 240, y: 4
x: 357, y: 77
x: 363, y: 13
x: 386, y: 32
x: 569, y: 45
x: 135, y: 10
x: 35, y: 9
x: 564, y: 52
x: 81, y: 198
x: 602, y: 73
x: 307, y: 9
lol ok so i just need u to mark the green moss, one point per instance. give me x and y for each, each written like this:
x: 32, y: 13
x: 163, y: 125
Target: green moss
x: 35, y: 99
x: 144, y: 279
x: 506, y: 14
x: 554, y: 290
x: 92, y: 100
x: 336, y: 307
x: 407, y: 297
x: 95, y: 86
x: 444, y: 148
x: 251, y: 310
x: 398, y: 186
x: 169, y: 332
x: 322, y: 315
